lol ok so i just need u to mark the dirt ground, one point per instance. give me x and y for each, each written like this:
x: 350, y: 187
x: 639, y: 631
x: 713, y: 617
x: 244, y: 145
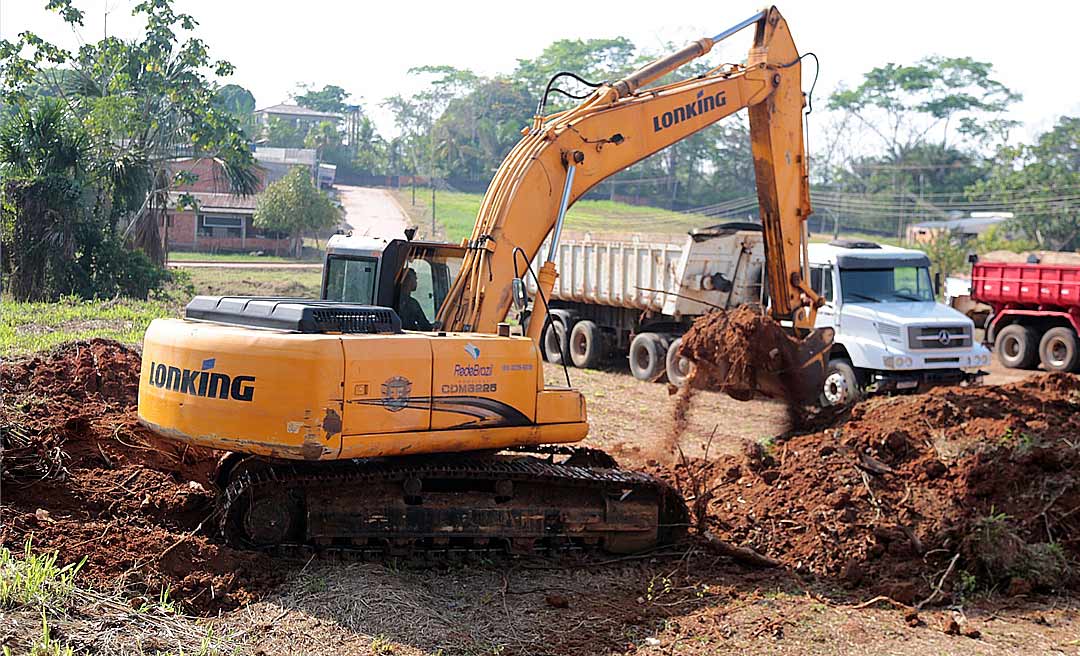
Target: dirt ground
x: 136, y: 507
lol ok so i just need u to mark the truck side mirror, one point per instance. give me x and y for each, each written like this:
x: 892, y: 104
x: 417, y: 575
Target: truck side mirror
x: 937, y: 283
x: 520, y: 294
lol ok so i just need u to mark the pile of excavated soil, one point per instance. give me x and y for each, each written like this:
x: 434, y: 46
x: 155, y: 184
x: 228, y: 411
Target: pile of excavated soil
x: 138, y: 508
x: 987, y: 478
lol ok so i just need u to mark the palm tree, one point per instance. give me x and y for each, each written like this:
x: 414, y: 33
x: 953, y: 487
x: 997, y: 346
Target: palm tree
x: 45, y: 162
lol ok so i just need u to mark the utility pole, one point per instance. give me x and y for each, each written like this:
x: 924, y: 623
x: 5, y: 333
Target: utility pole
x: 432, y: 207
x: 836, y: 222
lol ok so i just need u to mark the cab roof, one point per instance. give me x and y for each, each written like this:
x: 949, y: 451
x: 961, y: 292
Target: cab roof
x: 865, y: 255
x: 350, y: 244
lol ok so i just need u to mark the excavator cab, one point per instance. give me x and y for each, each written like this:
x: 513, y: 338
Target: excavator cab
x: 413, y: 277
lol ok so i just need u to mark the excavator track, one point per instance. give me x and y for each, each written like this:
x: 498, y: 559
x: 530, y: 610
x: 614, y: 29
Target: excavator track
x: 504, y: 502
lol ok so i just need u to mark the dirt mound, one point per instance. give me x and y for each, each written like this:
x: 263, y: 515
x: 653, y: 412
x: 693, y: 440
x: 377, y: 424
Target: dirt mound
x: 137, y: 507
x: 987, y: 476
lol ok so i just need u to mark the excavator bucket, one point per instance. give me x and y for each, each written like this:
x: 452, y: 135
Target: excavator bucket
x: 742, y: 352
x: 800, y: 372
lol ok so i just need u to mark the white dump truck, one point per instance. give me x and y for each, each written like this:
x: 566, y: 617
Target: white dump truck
x: 637, y: 297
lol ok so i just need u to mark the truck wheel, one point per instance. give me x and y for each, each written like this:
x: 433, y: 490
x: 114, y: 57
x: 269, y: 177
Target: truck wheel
x: 1058, y: 350
x: 647, y: 357
x: 678, y: 367
x: 586, y: 344
x: 841, y: 384
x: 555, y: 342
x: 1017, y: 346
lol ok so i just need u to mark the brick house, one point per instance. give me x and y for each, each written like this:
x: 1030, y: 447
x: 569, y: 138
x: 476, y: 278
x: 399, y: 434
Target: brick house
x: 221, y: 220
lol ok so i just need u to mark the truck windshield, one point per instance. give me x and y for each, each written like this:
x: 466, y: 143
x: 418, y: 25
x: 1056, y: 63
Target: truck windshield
x: 902, y: 284
x: 351, y: 279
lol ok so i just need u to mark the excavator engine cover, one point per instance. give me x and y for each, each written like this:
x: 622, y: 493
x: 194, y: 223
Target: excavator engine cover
x: 316, y: 380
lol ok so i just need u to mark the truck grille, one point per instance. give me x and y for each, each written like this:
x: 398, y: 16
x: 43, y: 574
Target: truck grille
x: 939, y: 337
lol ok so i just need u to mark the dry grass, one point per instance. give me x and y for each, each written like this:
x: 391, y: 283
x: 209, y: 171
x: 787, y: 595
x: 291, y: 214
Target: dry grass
x: 44, y: 611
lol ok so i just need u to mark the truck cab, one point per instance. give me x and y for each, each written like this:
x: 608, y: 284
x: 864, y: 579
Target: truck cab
x: 891, y: 333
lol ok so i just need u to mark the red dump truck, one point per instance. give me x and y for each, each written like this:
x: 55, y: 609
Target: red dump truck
x: 1035, y: 312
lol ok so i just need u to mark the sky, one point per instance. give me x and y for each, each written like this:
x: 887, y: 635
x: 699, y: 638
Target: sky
x: 368, y: 47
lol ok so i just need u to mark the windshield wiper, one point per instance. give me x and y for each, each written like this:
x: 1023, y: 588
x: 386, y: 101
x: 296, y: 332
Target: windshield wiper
x: 908, y: 297
x: 863, y: 296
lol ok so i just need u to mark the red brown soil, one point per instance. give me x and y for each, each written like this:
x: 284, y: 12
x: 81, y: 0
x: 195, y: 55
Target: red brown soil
x: 731, y: 349
x: 888, y: 497
x: 137, y: 507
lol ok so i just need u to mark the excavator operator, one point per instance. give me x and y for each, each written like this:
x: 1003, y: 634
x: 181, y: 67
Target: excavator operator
x: 412, y: 315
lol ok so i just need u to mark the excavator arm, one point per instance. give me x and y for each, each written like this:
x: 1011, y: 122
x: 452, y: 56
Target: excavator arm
x: 566, y: 154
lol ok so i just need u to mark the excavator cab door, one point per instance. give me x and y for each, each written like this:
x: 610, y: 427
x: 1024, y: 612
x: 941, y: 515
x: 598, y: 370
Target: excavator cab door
x: 435, y: 267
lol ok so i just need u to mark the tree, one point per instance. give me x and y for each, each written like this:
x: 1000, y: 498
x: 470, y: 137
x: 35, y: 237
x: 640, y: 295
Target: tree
x: 235, y: 99
x: 239, y: 102
x: 293, y: 205
x: 324, y: 137
x: 593, y: 59
x: 143, y: 103
x: 903, y: 104
x: 1040, y: 183
x: 476, y: 130
x: 282, y: 133
x: 372, y: 151
x: 330, y: 98
x: 52, y: 241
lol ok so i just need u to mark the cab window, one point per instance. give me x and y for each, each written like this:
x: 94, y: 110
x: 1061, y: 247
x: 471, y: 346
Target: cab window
x: 351, y: 279
x: 424, y: 285
x: 821, y: 281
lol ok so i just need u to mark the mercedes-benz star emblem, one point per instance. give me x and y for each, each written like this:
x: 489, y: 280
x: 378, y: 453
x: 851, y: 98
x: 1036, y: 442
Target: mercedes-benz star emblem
x: 944, y: 337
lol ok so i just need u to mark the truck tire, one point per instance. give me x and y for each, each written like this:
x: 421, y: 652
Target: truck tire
x: 586, y: 344
x: 1017, y: 346
x: 647, y: 357
x: 1058, y: 350
x: 555, y: 342
x: 678, y: 367
x: 841, y: 384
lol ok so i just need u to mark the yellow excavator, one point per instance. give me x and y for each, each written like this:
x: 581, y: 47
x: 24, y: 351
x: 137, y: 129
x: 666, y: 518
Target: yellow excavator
x: 345, y: 431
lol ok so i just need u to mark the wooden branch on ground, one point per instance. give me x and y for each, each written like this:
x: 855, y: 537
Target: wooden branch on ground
x: 744, y: 555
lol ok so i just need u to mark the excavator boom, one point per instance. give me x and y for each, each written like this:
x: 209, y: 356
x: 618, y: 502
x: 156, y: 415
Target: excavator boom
x: 566, y: 154
x: 622, y: 123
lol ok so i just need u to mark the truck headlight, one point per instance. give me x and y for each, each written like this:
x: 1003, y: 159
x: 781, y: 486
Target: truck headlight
x: 897, y: 361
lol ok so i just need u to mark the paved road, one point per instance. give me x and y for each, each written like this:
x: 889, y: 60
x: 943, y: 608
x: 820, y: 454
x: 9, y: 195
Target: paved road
x: 373, y: 212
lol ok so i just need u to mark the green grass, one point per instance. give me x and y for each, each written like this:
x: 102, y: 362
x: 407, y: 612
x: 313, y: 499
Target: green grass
x: 300, y: 283
x: 456, y: 212
x: 31, y: 327
x: 197, y: 256
x: 35, y: 579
